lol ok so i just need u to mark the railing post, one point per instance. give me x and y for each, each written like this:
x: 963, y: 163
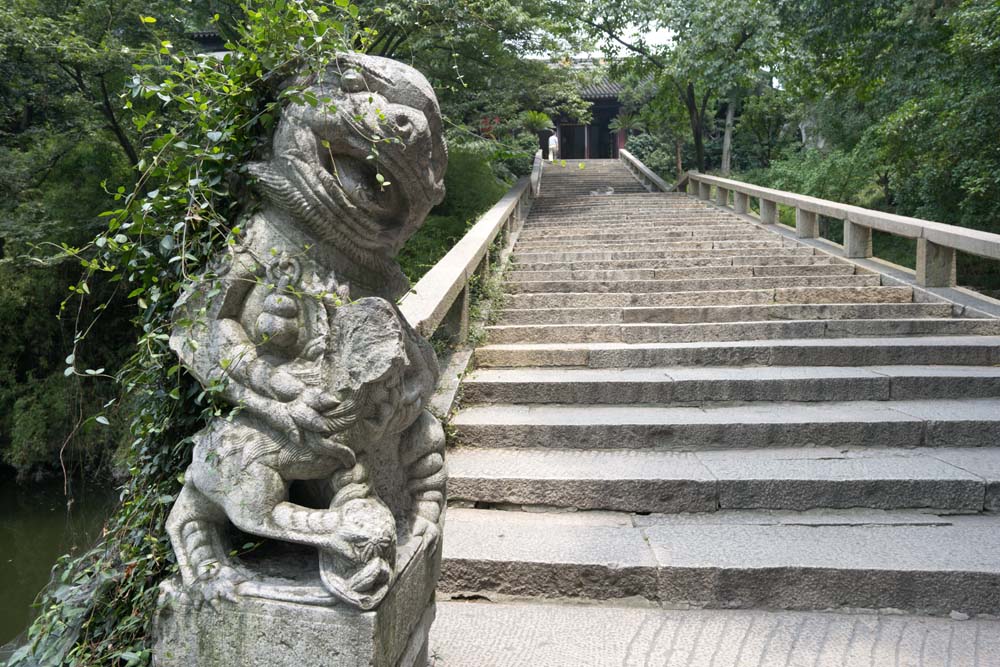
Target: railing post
x: 741, y: 202
x: 806, y: 224
x: 857, y: 240
x: 768, y: 212
x: 455, y: 324
x: 935, y: 265
x: 722, y: 196
x: 704, y: 191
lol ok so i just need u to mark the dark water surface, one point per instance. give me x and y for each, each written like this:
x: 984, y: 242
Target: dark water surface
x: 36, y: 527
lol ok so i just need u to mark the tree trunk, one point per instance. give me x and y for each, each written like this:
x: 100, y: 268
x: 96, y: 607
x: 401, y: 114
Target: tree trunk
x: 727, y: 138
x: 695, y: 117
x: 680, y: 164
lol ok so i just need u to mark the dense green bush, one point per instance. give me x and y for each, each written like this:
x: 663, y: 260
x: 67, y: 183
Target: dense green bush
x: 847, y: 177
x: 471, y: 188
x: 655, y: 153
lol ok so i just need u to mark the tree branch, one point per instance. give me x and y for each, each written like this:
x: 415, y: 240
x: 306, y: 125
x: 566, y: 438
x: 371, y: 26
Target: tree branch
x: 115, y: 126
x: 638, y: 50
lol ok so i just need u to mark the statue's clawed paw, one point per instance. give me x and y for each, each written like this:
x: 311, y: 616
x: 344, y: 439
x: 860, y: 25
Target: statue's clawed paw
x: 429, y: 530
x: 364, y: 589
x: 217, y: 585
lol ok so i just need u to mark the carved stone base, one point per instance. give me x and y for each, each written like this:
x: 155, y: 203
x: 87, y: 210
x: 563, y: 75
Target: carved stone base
x: 258, y: 632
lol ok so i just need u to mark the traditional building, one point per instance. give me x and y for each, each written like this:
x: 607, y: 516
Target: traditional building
x: 595, y: 139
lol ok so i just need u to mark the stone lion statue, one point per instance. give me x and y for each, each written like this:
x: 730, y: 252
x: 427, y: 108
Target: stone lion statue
x: 331, y: 445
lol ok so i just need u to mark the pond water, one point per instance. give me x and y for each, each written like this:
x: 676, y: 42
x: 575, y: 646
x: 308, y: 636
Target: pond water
x: 36, y: 527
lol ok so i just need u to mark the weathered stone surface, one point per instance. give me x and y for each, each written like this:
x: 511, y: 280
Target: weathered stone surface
x: 812, y: 478
x: 332, y: 447
x: 954, y: 565
x: 663, y: 386
x: 258, y: 632
x: 572, y: 635
x: 866, y: 559
x: 629, y: 481
x: 945, y: 423
x: 795, y: 478
x: 592, y: 555
x: 738, y: 331
x: 928, y: 350
x: 983, y: 462
x: 723, y: 313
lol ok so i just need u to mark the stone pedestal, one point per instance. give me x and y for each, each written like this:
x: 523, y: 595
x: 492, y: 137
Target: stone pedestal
x: 258, y: 632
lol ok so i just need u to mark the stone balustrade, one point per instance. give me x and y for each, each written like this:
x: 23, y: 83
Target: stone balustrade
x: 643, y: 174
x: 937, y: 243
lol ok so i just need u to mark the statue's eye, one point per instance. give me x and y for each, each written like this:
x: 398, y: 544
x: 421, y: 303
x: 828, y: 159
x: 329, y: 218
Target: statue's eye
x: 352, y: 82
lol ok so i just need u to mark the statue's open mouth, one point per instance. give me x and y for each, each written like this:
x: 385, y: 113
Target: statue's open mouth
x: 358, y: 180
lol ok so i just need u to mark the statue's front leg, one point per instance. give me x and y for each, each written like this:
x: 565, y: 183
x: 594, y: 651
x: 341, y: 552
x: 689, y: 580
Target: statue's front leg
x: 422, y: 453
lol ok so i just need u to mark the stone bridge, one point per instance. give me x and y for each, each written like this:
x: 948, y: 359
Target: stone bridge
x: 696, y: 437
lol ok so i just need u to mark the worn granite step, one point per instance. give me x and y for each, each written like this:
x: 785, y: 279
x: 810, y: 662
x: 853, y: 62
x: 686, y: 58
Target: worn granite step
x: 749, y: 241
x: 760, y: 296
x: 961, y: 480
x: 746, y: 238
x: 688, y: 272
x: 662, y: 228
x: 691, y: 284
x: 868, y: 559
x: 737, y: 331
x: 724, y: 313
x: 641, y: 234
x: 676, y: 262
x: 615, y: 255
x: 702, y: 385
x: 564, y: 634
x: 904, y: 423
x: 954, y: 350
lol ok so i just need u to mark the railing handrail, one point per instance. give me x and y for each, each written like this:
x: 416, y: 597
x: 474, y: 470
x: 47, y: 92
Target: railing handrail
x: 444, y: 288
x: 972, y: 241
x: 645, y: 174
x: 937, y: 243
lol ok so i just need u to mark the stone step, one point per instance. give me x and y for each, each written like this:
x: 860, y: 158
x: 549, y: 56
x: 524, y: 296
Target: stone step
x: 701, y: 385
x: 676, y: 262
x: 909, y: 423
x: 689, y: 272
x: 727, y: 313
x: 865, y: 559
x: 956, y: 350
x: 737, y: 331
x: 643, y: 235
x: 737, y: 241
x: 669, y: 235
x: 692, y: 284
x: 779, y: 295
x: 465, y: 634
x: 776, y: 479
x: 683, y: 226
x: 593, y: 189
x: 561, y: 219
x: 616, y: 255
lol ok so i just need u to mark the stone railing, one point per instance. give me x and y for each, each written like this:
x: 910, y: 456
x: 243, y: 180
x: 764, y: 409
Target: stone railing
x: 649, y: 180
x: 536, y: 174
x: 936, y: 242
x: 441, y: 298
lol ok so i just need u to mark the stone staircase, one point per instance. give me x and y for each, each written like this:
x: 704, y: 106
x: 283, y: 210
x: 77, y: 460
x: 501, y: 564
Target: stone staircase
x: 685, y: 425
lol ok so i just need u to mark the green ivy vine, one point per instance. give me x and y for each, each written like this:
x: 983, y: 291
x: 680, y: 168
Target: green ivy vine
x: 200, y: 119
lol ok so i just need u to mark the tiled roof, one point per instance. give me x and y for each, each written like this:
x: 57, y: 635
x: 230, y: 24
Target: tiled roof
x: 601, y: 90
